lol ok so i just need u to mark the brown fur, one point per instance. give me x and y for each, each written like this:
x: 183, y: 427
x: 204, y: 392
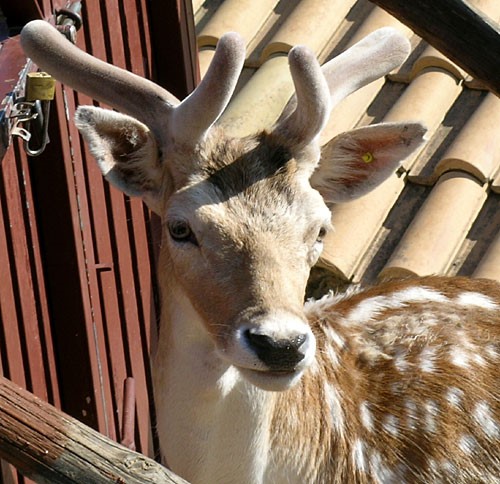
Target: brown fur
x: 416, y: 429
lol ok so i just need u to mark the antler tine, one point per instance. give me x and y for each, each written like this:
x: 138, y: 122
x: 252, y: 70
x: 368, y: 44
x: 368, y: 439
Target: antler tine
x: 104, y: 82
x: 312, y: 95
x: 371, y: 58
x: 201, y: 109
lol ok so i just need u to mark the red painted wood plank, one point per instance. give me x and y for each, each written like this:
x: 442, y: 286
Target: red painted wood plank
x: 10, y: 345
x: 13, y: 186
x: 78, y: 202
x: 49, y: 371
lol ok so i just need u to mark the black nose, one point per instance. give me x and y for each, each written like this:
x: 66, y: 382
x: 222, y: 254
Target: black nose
x: 280, y: 355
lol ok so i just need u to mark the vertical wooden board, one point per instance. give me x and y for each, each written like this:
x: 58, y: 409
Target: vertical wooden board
x: 90, y: 284
x: 72, y: 166
x: 10, y: 345
x: 8, y: 475
x: 28, y: 327
x: 120, y: 288
x: 124, y: 220
x: 107, y: 303
x: 144, y: 29
x: 39, y: 334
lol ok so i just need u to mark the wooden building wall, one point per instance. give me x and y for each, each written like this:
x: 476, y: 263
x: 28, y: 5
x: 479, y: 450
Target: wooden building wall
x: 77, y: 298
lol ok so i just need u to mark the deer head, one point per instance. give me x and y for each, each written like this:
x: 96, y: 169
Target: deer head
x: 243, y: 219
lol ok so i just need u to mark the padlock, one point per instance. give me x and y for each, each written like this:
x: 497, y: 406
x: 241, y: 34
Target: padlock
x: 40, y: 86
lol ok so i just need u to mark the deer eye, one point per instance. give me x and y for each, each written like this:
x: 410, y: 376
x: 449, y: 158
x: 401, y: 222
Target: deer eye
x: 180, y: 231
x: 321, y: 234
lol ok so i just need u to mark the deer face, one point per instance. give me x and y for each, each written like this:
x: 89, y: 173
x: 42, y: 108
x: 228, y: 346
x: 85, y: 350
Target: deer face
x: 243, y: 219
x: 244, y: 232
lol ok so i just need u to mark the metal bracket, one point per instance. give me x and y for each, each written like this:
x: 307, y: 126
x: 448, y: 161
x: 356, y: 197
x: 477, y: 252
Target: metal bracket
x: 26, y: 112
x: 18, y: 117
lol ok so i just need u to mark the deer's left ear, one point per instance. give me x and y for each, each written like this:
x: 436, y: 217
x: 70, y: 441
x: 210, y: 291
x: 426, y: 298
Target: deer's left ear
x: 125, y: 150
x: 354, y: 163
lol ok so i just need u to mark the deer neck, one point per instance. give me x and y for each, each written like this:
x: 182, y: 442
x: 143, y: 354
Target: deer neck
x: 209, y: 412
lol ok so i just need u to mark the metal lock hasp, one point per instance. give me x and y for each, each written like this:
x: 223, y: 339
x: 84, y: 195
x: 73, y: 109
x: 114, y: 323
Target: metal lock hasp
x: 40, y: 86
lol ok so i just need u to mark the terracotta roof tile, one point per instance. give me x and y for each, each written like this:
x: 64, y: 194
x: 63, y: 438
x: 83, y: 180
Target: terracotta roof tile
x: 489, y: 266
x: 435, y: 235
x: 491, y: 8
x: 243, y: 16
x: 495, y: 186
x: 356, y: 225
x: 261, y: 100
x: 312, y: 22
x: 440, y: 215
x: 476, y: 149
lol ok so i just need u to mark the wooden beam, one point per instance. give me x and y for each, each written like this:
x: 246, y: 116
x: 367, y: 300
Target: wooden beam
x: 458, y: 30
x: 51, y: 447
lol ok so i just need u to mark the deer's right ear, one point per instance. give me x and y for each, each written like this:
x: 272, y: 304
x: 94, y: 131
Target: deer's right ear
x: 125, y: 150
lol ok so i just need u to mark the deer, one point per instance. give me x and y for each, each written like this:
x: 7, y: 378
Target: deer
x: 392, y: 383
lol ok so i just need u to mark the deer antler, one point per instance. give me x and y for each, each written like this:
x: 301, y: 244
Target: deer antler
x: 205, y: 104
x: 373, y: 57
x: 312, y: 98
x: 162, y: 112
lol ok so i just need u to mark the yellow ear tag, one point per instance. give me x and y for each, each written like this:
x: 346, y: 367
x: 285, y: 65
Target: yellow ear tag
x: 367, y: 157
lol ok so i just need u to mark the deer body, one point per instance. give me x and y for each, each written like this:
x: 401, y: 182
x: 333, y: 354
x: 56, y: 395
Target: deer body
x: 396, y: 393
x: 392, y: 384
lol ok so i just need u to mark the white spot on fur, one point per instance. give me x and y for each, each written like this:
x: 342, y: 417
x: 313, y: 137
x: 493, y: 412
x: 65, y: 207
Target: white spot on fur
x: 482, y: 414
x: 381, y: 473
x: 335, y: 405
x: 314, y: 367
x: 449, y: 467
x: 372, y: 307
x: 476, y: 299
x: 454, y: 396
x: 427, y: 358
x: 491, y: 350
x: 421, y: 294
x: 411, y: 414
x: 467, y: 444
x: 359, y: 455
x: 400, y: 361
x: 333, y: 337
x: 479, y: 360
x: 331, y: 354
x: 366, y: 416
x: 431, y: 413
x: 397, y: 388
x: 391, y: 425
x: 459, y: 357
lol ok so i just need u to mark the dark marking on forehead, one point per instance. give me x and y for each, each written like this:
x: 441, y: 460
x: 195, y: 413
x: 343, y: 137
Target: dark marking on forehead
x: 237, y: 167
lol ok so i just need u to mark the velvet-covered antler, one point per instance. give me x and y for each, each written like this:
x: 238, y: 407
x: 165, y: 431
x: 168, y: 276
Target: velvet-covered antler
x: 185, y: 121
x: 369, y: 59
